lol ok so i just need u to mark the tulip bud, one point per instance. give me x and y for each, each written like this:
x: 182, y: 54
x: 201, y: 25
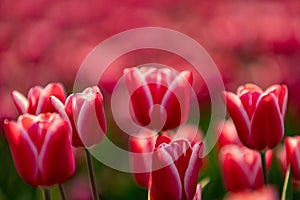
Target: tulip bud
x: 41, y: 148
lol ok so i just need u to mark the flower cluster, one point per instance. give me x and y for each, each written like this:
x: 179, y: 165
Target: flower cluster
x: 164, y: 160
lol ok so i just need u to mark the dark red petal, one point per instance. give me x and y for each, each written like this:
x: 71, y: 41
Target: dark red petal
x: 267, y: 123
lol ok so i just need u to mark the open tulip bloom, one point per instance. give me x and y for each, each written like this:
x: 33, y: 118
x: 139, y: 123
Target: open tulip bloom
x: 258, y: 115
x: 41, y: 148
x: 38, y: 100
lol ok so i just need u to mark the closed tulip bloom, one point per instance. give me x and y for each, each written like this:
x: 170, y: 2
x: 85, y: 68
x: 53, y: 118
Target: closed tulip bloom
x: 85, y: 113
x: 38, y: 100
x: 292, y: 146
x: 241, y: 168
x: 175, y: 168
x: 159, y: 97
x: 258, y: 115
x: 41, y: 148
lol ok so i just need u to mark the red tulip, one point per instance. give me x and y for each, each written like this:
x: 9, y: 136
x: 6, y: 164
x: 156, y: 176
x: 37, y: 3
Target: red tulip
x: 159, y: 97
x: 175, y: 166
x: 266, y: 193
x: 85, y: 113
x: 144, y: 143
x: 241, y: 168
x: 38, y: 99
x: 292, y: 146
x: 41, y: 148
x: 257, y: 115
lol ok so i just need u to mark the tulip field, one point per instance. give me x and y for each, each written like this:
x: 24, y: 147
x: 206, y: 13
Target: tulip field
x: 155, y: 100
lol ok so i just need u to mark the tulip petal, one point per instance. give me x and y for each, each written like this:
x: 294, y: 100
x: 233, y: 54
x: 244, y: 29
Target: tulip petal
x: 198, y: 193
x: 267, y: 123
x: 44, y: 102
x: 191, y: 174
x: 20, y: 102
x: 23, y: 151
x: 281, y: 92
x: 164, y: 166
x: 89, y: 130
x: 56, y: 160
x: 239, y: 117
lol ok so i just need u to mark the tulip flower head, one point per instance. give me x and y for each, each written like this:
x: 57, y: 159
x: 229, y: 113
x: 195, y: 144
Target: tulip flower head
x: 257, y: 115
x: 85, y: 113
x: 175, y: 168
x: 38, y: 100
x: 41, y: 148
x: 241, y: 168
x: 292, y: 146
x: 159, y: 97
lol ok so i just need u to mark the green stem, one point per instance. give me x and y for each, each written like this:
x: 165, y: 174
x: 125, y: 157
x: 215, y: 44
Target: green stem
x: 286, y: 190
x: 91, y: 174
x: 264, y: 167
x: 46, y: 194
x: 62, y: 192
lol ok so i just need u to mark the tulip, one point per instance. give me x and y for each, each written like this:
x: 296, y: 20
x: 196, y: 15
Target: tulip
x: 159, y: 97
x: 241, y: 168
x: 85, y: 113
x: 265, y: 193
x: 143, y: 145
x: 292, y: 146
x: 41, y: 148
x: 257, y: 115
x: 38, y: 100
x: 175, y: 168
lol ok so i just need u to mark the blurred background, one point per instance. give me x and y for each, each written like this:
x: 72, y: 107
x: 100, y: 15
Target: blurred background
x: 44, y: 41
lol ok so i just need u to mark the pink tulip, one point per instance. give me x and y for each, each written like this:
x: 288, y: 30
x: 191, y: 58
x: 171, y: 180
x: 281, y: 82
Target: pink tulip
x: 266, y: 193
x: 159, y: 97
x: 257, y: 115
x: 41, y: 148
x: 38, y: 100
x: 241, y: 168
x: 292, y: 146
x: 175, y: 168
x: 85, y: 113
